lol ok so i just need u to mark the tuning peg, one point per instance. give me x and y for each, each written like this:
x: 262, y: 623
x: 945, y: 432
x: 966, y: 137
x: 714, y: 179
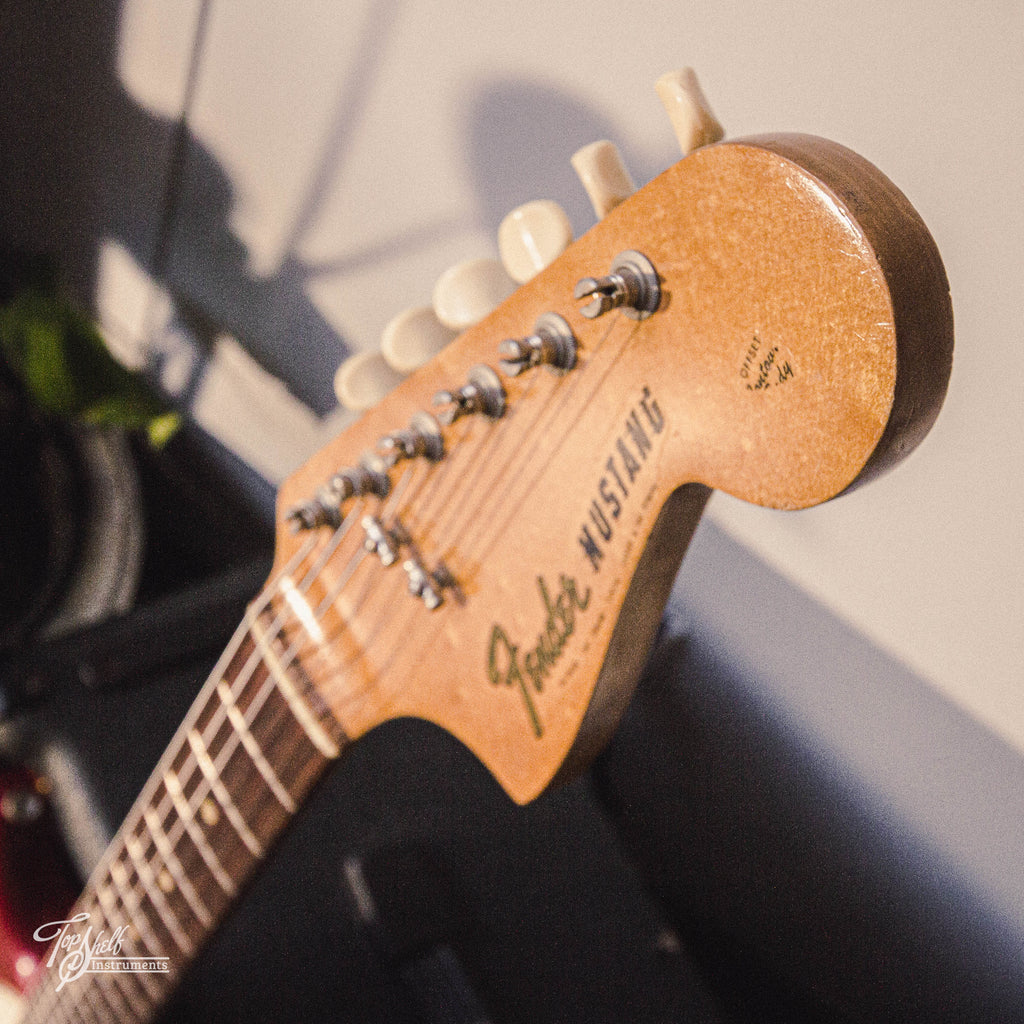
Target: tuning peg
x: 688, y: 110
x: 531, y: 237
x: 413, y: 338
x: 481, y: 393
x: 466, y: 293
x: 363, y: 380
x: 604, y: 176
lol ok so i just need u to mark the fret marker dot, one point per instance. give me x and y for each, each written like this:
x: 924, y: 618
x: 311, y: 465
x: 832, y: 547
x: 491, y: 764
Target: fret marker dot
x: 165, y: 881
x: 209, y: 812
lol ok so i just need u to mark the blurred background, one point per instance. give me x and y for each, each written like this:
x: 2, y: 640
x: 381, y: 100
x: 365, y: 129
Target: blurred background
x: 243, y: 194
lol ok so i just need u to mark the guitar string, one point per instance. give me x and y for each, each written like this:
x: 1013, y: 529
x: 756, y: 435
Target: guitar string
x: 45, y: 988
x: 130, y: 826
x: 132, y: 821
x: 552, y: 405
x: 247, y: 670
x: 477, y: 452
x: 461, y: 459
x: 464, y: 456
x: 253, y: 709
x: 325, y: 554
x: 293, y: 650
x: 431, y: 477
x: 553, y: 408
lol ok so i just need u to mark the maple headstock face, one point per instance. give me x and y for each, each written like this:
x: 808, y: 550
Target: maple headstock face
x: 801, y: 342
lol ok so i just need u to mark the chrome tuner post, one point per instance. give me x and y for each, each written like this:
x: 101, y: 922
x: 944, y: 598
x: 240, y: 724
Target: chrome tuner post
x: 482, y: 392
x: 324, y: 508
x: 552, y: 344
x: 307, y: 516
x: 632, y: 283
x: 422, y: 437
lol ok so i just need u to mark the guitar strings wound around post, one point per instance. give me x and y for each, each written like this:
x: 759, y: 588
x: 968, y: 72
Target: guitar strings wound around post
x: 632, y: 283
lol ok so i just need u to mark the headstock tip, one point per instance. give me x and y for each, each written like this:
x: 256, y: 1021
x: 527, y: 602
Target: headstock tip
x: 532, y: 237
x: 600, y: 168
x: 692, y: 120
x: 467, y: 292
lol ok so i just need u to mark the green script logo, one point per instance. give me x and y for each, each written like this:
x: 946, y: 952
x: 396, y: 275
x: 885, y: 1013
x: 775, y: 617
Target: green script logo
x: 505, y: 667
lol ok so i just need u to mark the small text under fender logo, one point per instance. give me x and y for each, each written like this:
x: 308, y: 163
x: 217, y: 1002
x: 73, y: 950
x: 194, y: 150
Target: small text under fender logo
x: 527, y: 673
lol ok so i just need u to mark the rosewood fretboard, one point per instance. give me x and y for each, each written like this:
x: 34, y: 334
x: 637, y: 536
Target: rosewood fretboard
x: 255, y: 741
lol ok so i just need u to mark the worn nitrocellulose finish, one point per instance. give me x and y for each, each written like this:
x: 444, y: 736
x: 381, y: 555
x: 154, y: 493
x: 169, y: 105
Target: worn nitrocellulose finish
x: 804, y: 337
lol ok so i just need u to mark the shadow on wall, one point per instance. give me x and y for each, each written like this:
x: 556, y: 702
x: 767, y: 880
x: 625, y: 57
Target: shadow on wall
x: 82, y: 162
x: 521, y: 136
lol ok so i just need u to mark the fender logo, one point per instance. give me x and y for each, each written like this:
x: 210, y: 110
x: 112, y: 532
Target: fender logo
x: 527, y: 674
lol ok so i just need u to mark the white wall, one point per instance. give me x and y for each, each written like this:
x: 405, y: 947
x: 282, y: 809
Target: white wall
x: 343, y: 154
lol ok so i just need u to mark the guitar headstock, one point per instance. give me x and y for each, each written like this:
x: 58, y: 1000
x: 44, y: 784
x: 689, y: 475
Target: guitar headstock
x: 769, y: 317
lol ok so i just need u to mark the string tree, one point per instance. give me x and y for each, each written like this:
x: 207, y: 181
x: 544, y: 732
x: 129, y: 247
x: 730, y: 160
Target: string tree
x: 427, y: 585
x: 386, y: 542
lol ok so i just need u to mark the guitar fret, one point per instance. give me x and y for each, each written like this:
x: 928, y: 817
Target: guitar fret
x: 253, y: 748
x: 104, y: 895
x: 112, y: 917
x: 156, y: 897
x: 166, y: 851
x: 219, y: 790
x: 92, y: 995
x: 107, y: 984
x: 177, y: 795
x: 300, y: 709
x: 252, y: 745
x: 86, y: 1010
x: 139, y: 918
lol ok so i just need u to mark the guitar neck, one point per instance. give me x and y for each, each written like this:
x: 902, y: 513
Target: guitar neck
x: 786, y: 333
x: 255, y: 741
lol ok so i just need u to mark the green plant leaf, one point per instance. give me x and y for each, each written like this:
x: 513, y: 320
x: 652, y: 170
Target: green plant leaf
x: 67, y: 369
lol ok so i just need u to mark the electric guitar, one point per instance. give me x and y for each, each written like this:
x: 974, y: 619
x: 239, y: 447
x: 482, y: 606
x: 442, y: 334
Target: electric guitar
x: 769, y: 317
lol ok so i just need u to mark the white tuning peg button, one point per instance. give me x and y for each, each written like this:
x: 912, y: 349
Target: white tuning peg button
x: 363, y: 380
x: 604, y: 176
x: 413, y: 338
x: 466, y: 293
x: 688, y: 110
x: 532, y: 236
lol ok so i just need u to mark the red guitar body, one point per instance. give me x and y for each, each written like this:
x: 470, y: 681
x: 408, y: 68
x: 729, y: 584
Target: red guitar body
x: 37, y: 883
